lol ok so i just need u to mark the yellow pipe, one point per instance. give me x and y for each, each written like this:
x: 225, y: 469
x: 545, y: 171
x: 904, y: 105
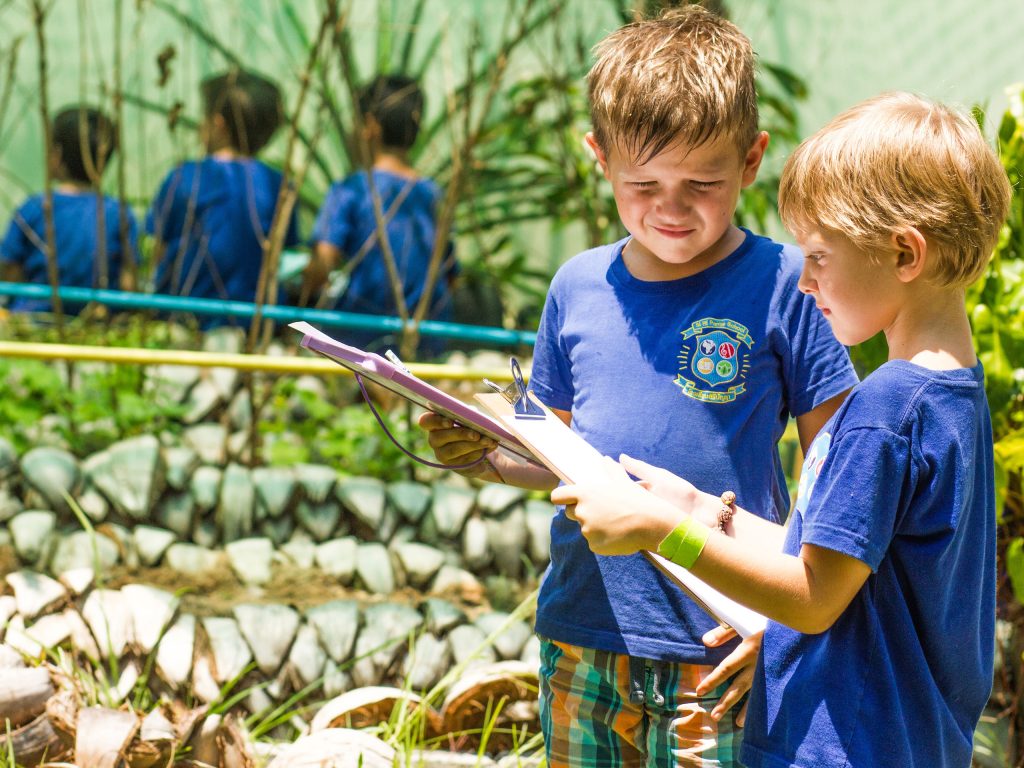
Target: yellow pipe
x: 266, y: 363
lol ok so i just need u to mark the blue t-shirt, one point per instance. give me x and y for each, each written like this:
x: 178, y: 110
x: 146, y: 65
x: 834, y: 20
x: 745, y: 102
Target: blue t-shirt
x: 212, y: 215
x: 698, y: 375
x: 78, y: 244
x: 347, y: 221
x: 901, y: 478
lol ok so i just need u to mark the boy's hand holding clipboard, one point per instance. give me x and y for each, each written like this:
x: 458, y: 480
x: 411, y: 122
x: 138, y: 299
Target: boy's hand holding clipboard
x: 528, y: 431
x: 575, y: 461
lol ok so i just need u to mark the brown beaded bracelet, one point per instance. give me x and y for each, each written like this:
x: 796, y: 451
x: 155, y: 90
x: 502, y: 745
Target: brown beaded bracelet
x: 728, y: 509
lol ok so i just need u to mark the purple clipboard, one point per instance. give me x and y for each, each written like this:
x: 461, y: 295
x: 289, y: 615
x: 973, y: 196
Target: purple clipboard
x: 387, y: 374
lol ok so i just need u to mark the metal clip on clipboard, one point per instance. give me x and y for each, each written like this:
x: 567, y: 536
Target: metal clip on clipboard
x: 516, y: 394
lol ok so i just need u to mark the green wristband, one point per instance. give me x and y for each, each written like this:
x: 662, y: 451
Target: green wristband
x: 685, y: 543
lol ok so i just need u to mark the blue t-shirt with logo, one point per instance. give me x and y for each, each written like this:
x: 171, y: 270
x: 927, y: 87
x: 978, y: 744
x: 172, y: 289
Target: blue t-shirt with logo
x: 213, y: 215
x: 698, y: 375
x: 348, y: 222
x: 78, y: 244
x: 901, y: 478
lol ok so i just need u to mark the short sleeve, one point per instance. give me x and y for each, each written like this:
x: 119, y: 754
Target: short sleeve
x: 855, y: 501
x: 332, y: 225
x: 16, y: 245
x: 551, y: 376
x: 816, y: 367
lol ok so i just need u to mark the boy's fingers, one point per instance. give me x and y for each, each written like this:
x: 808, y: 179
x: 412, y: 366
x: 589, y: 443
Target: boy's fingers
x: 729, y: 698
x: 639, y: 469
x: 564, y: 494
x: 720, y: 634
x: 740, y: 663
x: 435, y: 421
x: 740, y: 685
x: 741, y: 718
x: 442, y: 437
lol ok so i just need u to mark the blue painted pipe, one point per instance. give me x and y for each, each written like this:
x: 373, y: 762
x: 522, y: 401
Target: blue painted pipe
x: 164, y: 303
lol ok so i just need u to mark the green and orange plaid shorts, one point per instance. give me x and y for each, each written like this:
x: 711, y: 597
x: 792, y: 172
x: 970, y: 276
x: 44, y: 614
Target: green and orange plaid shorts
x: 607, y: 710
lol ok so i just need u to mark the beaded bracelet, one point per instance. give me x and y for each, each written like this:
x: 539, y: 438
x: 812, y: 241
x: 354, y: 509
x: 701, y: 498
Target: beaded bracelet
x: 728, y: 509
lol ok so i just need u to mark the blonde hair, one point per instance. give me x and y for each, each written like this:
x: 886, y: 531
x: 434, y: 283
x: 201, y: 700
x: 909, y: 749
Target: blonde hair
x: 896, y: 161
x: 686, y: 77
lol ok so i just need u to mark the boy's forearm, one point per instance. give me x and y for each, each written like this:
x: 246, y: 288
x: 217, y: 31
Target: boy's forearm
x: 747, y: 526
x: 806, y: 592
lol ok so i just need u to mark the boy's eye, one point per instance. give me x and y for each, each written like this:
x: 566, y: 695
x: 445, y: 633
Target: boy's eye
x: 642, y: 184
x: 703, y: 186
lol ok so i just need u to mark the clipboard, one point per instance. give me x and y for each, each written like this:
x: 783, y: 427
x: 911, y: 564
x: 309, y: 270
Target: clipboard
x: 574, y: 460
x: 392, y: 375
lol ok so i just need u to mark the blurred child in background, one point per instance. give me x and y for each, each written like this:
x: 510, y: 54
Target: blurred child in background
x: 87, y: 224
x: 346, y: 227
x: 211, y: 216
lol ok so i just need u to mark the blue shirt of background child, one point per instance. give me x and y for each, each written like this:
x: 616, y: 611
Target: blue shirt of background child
x: 698, y: 375
x: 213, y: 214
x: 903, y: 674
x: 77, y: 244
x: 347, y: 221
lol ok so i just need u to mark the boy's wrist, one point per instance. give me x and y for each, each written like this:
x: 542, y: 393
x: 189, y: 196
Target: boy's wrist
x: 684, y: 543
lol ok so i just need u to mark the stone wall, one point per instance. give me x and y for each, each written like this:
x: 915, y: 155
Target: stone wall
x: 186, y: 506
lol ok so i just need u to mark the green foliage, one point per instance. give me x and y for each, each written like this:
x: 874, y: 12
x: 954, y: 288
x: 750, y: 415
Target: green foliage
x: 509, y: 113
x: 103, y: 404
x: 340, y: 435
x: 996, y: 306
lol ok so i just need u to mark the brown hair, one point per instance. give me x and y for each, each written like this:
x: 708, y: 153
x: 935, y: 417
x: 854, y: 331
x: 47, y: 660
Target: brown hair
x: 895, y: 161
x: 686, y: 77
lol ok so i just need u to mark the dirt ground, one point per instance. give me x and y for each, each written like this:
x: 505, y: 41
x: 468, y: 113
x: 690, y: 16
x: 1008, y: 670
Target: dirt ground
x: 217, y: 592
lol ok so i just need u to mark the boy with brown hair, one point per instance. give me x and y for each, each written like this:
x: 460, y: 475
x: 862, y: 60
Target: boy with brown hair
x: 881, y: 589
x: 346, y: 231
x: 211, y: 216
x: 688, y: 343
x: 89, y: 246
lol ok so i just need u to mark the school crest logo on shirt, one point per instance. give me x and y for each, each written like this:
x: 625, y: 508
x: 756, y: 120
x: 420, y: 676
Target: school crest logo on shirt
x: 811, y: 469
x: 714, y: 360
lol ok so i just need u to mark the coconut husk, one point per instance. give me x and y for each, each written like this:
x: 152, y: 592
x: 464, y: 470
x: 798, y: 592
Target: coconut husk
x: 23, y: 694
x: 234, y: 745
x: 103, y: 736
x: 62, y: 711
x: 33, y: 742
x: 472, y: 701
x: 336, y: 748
x: 368, y: 707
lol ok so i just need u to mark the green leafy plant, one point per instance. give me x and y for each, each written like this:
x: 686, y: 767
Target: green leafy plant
x: 996, y: 305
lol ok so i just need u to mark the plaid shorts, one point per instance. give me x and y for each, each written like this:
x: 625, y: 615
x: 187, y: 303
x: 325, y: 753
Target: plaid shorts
x: 607, y: 710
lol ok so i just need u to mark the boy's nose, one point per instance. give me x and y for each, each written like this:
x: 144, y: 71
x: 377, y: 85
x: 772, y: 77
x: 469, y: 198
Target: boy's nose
x: 672, y: 205
x: 805, y: 283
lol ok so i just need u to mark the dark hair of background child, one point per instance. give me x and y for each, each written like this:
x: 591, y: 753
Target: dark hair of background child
x: 100, y: 142
x: 396, y: 103
x: 249, y: 104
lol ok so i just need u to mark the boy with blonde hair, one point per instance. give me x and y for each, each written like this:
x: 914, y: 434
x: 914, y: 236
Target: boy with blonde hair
x: 688, y: 343
x: 881, y: 589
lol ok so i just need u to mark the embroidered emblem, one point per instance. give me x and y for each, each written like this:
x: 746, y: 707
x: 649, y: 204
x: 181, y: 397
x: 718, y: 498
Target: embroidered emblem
x: 811, y: 469
x: 715, y: 354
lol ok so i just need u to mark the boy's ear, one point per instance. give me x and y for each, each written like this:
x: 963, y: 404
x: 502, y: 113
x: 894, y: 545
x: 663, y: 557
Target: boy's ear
x: 753, y: 158
x: 911, y: 253
x: 371, y: 129
x: 55, y: 159
x: 602, y: 160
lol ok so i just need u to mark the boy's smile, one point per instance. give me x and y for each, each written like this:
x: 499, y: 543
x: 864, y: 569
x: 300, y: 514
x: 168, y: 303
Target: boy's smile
x: 678, y: 206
